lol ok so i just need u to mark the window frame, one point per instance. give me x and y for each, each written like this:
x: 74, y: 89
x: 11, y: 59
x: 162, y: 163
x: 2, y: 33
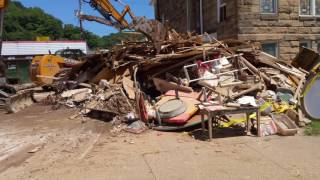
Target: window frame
x: 276, y: 45
x: 308, y: 42
x: 223, y: 5
x: 313, y: 11
x: 276, y: 8
x: 219, y: 6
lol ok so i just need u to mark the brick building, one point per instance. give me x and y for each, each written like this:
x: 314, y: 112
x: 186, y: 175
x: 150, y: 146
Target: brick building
x: 282, y: 26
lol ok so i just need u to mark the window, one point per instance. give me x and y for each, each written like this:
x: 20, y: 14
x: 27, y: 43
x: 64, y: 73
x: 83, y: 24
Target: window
x: 305, y: 7
x: 222, y: 11
x: 310, y: 7
x: 317, y: 8
x: 268, y: 6
x: 305, y: 44
x: 270, y: 48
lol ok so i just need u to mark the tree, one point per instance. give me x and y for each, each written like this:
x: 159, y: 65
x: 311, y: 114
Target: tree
x: 117, y: 38
x: 23, y: 23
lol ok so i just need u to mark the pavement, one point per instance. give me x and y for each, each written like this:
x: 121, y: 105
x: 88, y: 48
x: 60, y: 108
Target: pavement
x: 41, y: 143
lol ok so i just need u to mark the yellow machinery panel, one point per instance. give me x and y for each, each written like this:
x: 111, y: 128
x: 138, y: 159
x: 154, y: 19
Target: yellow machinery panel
x: 43, y: 38
x: 3, y: 3
x: 44, y: 68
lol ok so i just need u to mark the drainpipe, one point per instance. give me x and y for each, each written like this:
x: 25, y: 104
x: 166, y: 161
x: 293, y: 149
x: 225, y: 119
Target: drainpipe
x: 1, y: 28
x: 156, y: 10
x: 188, y: 15
x: 218, y: 10
x: 201, y: 16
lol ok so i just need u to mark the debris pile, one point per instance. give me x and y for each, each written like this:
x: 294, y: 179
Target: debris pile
x: 164, y: 86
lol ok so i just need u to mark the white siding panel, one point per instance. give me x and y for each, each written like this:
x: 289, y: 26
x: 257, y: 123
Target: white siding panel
x: 39, y: 48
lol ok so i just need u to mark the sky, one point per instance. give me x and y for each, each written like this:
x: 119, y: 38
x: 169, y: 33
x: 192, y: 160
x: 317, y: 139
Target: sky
x: 65, y: 11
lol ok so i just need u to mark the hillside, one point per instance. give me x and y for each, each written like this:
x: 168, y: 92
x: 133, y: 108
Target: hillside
x: 22, y: 23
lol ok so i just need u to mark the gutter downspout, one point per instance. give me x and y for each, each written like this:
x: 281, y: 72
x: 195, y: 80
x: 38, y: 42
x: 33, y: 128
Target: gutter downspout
x: 218, y: 10
x: 156, y: 10
x: 201, y: 16
x: 188, y: 16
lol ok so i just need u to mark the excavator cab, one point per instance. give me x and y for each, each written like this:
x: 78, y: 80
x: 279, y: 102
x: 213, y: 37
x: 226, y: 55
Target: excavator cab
x: 75, y: 54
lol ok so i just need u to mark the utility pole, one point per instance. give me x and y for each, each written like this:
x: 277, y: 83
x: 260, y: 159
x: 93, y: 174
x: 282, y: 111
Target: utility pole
x: 3, y: 5
x: 1, y: 28
x: 80, y: 20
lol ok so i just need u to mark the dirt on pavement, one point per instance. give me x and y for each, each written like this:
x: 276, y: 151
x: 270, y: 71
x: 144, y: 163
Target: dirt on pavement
x: 41, y: 143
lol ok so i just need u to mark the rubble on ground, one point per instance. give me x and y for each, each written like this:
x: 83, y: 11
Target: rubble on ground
x: 163, y: 87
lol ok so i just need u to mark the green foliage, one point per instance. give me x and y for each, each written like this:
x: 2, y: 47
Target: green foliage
x: 117, y: 38
x: 27, y: 23
x: 313, y: 129
x: 23, y: 23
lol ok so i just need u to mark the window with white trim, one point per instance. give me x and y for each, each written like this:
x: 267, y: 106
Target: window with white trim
x: 268, y: 6
x: 309, y: 7
x: 317, y: 7
x: 222, y: 11
x: 271, y: 48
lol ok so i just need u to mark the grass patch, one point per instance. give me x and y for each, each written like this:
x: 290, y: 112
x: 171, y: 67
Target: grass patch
x: 313, y: 129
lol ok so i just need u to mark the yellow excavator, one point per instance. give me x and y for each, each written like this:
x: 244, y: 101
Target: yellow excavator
x: 42, y: 71
x: 44, y: 68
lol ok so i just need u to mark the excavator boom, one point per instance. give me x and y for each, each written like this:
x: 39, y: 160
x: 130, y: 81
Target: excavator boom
x: 107, y: 10
x: 152, y: 29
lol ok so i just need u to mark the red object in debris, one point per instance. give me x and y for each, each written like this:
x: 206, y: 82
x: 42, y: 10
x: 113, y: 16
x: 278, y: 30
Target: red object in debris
x: 179, y: 120
x: 142, y: 108
x: 203, y: 66
x: 190, y: 100
x: 216, y: 55
x: 184, y: 117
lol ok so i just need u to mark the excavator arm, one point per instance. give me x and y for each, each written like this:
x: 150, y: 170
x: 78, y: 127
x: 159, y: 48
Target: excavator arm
x: 152, y: 29
x: 111, y: 16
x: 107, y: 9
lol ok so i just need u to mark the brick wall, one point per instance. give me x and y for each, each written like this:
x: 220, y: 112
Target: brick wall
x: 285, y: 27
x: 245, y: 22
x: 228, y: 28
x: 176, y: 14
x: 173, y: 12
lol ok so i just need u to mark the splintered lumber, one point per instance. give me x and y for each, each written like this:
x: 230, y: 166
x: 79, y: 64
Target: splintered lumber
x: 183, y: 62
x: 164, y: 86
x: 255, y: 70
x: 128, y: 86
x: 253, y: 88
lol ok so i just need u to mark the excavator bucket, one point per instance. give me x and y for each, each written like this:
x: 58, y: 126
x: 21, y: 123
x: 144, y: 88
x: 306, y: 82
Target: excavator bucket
x: 153, y: 29
x: 19, y: 101
x: 14, y: 98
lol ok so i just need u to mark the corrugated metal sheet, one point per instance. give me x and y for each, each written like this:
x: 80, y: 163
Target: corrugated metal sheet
x: 23, y: 48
